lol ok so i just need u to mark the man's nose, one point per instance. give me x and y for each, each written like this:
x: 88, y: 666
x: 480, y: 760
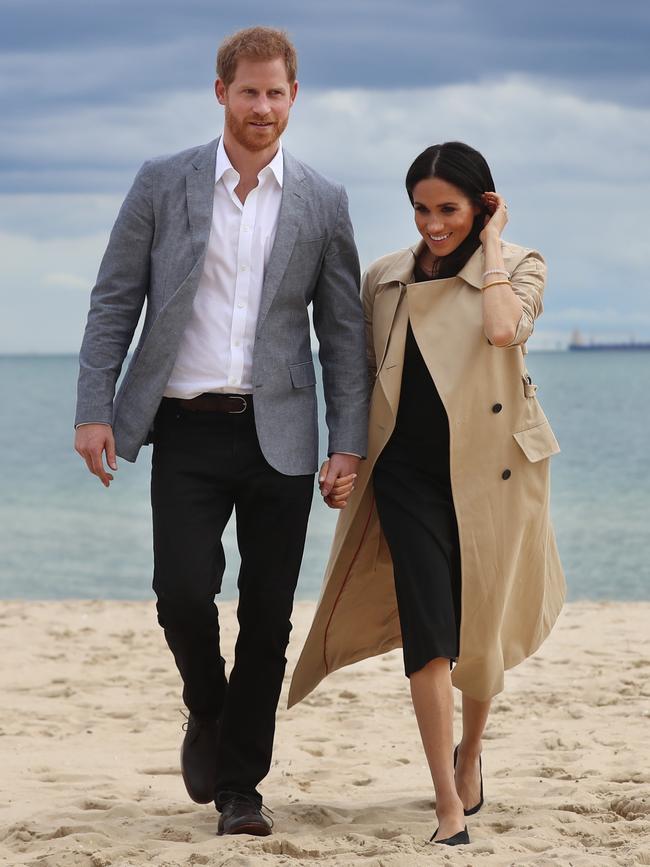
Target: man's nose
x: 262, y: 106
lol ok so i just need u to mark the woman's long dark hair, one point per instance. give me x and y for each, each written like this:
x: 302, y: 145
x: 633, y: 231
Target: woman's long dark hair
x: 465, y: 168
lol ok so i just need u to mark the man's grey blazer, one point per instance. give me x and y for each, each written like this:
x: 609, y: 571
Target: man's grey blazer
x: 155, y: 256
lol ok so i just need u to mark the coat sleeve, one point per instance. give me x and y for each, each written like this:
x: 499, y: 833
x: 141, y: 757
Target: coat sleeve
x: 116, y: 302
x: 367, y: 302
x: 338, y: 322
x: 528, y: 280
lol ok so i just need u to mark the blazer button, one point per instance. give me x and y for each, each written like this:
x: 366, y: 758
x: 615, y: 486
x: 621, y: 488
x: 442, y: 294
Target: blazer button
x: 506, y: 474
x: 497, y: 407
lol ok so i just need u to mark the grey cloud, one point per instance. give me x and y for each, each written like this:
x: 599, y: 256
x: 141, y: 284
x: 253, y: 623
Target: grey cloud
x: 364, y: 43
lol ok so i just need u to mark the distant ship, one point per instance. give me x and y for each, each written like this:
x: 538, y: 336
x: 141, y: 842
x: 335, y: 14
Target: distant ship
x: 578, y: 344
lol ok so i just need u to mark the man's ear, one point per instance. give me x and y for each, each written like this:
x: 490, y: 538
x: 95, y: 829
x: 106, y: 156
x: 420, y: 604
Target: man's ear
x: 220, y: 91
x: 294, y: 92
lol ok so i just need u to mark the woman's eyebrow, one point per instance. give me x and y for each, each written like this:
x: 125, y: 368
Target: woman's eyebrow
x: 440, y: 205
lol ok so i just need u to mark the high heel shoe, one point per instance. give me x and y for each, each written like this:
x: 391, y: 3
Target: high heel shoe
x: 476, y: 807
x: 459, y: 839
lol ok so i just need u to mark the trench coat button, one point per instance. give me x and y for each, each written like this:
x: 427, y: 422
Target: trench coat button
x: 497, y: 407
x: 506, y: 474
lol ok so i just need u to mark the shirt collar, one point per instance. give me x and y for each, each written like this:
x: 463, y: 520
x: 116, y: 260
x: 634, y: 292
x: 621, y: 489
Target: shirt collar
x: 275, y: 167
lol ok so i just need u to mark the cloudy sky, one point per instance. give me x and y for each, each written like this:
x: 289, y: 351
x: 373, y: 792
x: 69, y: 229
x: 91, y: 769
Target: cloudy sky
x: 556, y: 95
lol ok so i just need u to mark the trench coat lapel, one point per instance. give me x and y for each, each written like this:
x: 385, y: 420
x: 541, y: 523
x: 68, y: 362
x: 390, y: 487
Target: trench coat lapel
x: 289, y: 218
x: 199, y: 186
x: 390, y: 373
x: 390, y: 291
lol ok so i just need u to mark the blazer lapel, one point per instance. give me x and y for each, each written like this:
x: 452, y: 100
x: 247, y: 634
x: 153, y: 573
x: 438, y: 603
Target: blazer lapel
x: 291, y: 208
x: 200, y: 195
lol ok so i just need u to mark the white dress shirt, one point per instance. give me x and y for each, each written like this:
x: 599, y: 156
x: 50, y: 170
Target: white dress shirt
x: 216, y: 350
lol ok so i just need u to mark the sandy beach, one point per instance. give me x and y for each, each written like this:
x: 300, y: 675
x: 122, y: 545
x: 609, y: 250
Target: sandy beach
x: 91, y: 727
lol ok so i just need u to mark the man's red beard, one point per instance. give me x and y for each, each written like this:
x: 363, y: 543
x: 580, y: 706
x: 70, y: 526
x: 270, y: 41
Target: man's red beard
x: 255, y: 140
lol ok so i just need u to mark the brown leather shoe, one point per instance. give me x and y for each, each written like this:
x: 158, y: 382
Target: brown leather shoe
x: 199, y: 758
x: 242, y: 815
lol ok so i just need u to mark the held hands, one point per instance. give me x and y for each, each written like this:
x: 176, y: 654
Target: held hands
x: 497, y: 217
x: 91, y: 441
x: 336, y: 479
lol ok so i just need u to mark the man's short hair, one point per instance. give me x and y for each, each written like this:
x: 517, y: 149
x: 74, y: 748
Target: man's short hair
x: 255, y: 43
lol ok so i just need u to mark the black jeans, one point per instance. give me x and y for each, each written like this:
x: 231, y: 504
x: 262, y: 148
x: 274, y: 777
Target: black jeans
x: 204, y: 465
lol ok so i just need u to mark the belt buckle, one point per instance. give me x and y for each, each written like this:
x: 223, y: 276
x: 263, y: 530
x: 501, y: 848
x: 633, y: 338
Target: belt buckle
x: 244, y: 404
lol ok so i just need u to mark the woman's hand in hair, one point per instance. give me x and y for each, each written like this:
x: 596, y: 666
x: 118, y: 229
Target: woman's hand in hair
x: 496, y: 218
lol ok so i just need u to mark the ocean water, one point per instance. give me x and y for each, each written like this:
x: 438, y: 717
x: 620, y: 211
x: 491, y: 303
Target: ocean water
x: 62, y: 535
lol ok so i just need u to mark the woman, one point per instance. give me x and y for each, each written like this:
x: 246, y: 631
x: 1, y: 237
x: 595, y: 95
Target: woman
x: 446, y: 546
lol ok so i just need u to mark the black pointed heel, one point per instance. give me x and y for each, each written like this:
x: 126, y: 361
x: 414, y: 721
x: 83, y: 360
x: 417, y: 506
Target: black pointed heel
x: 459, y: 839
x: 472, y: 810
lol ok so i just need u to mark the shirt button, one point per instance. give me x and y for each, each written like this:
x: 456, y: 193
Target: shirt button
x: 506, y: 474
x: 244, y: 268
x: 497, y: 407
x: 246, y: 228
x: 236, y: 342
x: 240, y: 305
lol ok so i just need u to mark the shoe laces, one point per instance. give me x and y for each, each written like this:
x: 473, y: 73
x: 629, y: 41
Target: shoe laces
x: 229, y: 796
x: 191, y: 720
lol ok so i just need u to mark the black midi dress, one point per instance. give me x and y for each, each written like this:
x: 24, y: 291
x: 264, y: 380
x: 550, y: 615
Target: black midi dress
x: 416, y: 510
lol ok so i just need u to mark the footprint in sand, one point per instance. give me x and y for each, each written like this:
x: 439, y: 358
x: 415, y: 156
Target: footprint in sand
x: 580, y: 809
x: 318, y: 701
x: 176, y: 835
x: 57, y: 692
x: 20, y: 833
x: 171, y: 811
x: 93, y: 804
x: 68, y: 831
x: 631, y: 808
x: 630, y: 777
x: 312, y: 814
x: 502, y: 827
x: 160, y: 772
x: 554, y: 773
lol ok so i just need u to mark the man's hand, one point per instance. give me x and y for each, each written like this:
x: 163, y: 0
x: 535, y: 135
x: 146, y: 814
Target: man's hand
x: 91, y: 441
x: 336, y: 479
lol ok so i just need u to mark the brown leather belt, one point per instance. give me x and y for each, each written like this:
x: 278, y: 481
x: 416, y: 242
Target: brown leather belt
x: 233, y: 404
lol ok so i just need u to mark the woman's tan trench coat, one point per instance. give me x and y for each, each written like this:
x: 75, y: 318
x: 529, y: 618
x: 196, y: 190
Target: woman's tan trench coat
x: 500, y: 445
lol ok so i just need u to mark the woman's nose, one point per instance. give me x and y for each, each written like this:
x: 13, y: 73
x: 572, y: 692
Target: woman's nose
x: 435, y: 226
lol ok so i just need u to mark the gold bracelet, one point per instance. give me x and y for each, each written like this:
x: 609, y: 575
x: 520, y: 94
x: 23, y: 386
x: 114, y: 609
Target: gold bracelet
x: 496, y: 283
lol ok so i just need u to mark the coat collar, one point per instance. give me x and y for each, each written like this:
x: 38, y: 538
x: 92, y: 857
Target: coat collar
x: 400, y: 269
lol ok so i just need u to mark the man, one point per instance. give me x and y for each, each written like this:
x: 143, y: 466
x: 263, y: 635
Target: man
x: 228, y: 244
